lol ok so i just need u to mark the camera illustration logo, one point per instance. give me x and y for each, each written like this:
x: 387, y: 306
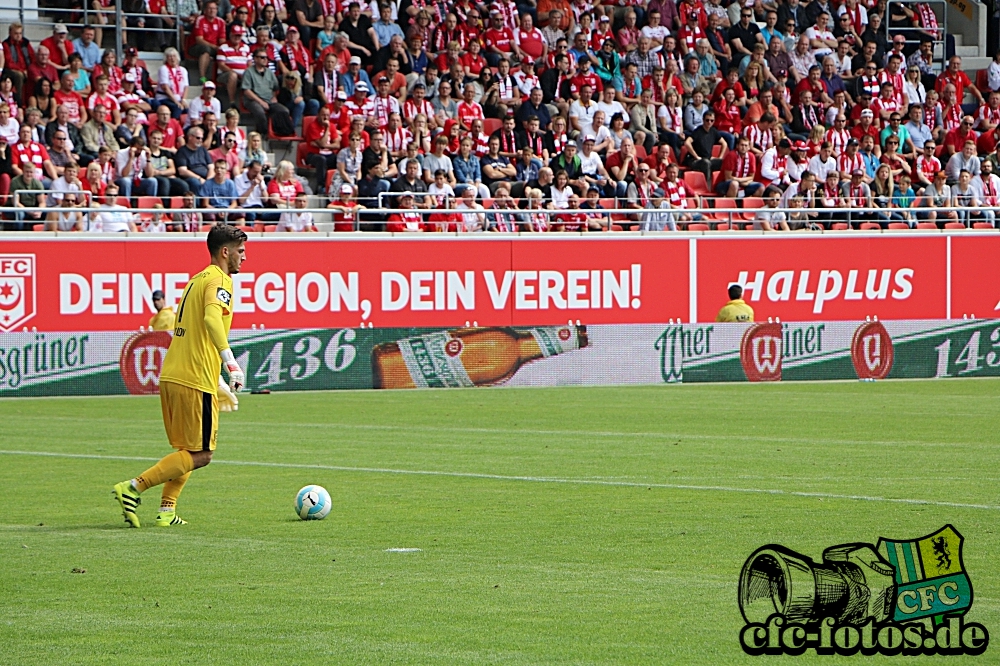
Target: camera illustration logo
x: 905, y: 597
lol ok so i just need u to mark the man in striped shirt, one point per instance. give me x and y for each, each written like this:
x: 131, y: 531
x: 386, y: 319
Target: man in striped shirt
x: 232, y: 59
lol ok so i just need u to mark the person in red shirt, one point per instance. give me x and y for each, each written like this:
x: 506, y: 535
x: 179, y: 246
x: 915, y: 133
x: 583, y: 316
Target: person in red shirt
x: 232, y: 59
x: 173, y: 134
x: 101, y: 96
x: 727, y: 114
x: 499, y: 40
x: 445, y: 34
x: 573, y: 219
x: 42, y: 67
x: 209, y: 32
x: 529, y: 41
x: 866, y: 125
x: 322, y: 141
x: 59, y: 46
x: 585, y: 76
x: 406, y: 221
x: 473, y: 61
x: 71, y: 100
x: 739, y: 167
x: 27, y: 154
x: 955, y: 76
x: 468, y: 109
x: 955, y: 139
x: 345, y: 211
x: 18, y: 55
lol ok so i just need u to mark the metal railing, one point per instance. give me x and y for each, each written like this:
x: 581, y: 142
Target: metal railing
x: 940, y: 42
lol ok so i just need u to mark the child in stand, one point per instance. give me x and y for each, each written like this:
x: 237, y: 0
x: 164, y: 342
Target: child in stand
x: 156, y: 225
x: 345, y: 211
x: 295, y: 220
x: 191, y: 220
x: 440, y: 189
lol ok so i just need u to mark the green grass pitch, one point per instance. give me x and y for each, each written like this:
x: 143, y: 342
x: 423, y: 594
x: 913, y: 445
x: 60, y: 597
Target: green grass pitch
x: 555, y: 526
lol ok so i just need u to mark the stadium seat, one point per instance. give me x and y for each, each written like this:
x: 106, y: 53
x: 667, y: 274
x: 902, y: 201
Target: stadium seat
x: 147, y: 202
x: 696, y: 181
x: 840, y: 226
x: 927, y: 225
x: 954, y: 225
x: 206, y: 227
x: 716, y: 151
x: 697, y: 226
x: 898, y: 225
x: 722, y: 226
x: 870, y: 226
x: 640, y: 152
x: 271, y: 136
x: 983, y: 80
x: 490, y: 125
x: 38, y: 227
x: 176, y: 202
x: 749, y: 204
x: 721, y: 204
x: 300, y: 150
x: 982, y: 225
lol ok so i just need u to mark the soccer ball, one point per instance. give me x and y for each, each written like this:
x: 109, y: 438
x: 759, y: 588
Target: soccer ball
x: 313, y: 503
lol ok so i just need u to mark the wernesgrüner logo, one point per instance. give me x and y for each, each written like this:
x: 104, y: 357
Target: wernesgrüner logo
x: 900, y: 597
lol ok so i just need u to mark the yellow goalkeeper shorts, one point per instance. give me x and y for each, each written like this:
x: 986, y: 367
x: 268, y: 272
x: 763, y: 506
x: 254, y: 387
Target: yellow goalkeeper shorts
x: 190, y: 417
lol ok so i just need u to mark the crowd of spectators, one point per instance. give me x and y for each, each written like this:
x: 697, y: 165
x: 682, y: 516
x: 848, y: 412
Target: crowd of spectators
x: 496, y: 112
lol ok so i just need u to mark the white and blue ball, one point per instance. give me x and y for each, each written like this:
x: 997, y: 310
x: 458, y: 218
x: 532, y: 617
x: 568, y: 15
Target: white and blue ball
x: 313, y: 503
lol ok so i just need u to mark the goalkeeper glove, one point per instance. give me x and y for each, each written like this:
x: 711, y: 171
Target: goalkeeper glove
x: 227, y: 399
x: 236, y: 377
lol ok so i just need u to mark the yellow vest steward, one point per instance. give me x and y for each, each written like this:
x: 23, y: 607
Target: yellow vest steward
x: 735, y: 310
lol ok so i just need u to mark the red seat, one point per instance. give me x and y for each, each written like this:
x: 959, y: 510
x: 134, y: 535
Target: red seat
x: 926, y: 225
x: 147, y: 202
x: 490, y: 125
x: 38, y: 227
x: 870, y: 226
x: 749, y: 204
x: 716, y: 151
x: 982, y: 225
x: 983, y: 80
x: 697, y: 226
x: 616, y: 227
x: 696, y: 181
x: 840, y: 226
x: 271, y: 136
x: 722, y: 226
x: 640, y: 152
x: 954, y: 225
x: 206, y: 227
x: 721, y: 205
x: 898, y: 225
x: 302, y: 148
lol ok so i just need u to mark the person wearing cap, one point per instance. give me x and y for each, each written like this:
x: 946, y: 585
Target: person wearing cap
x: 354, y: 76
x: 133, y: 97
x: 260, y: 95
x: 232, y: 59
x: 59, y: 46
x: 206, y: 102
x: 361, y: 104
x: 163, y: 320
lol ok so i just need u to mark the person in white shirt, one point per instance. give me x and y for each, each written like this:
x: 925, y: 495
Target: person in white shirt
x: 131, y: 163
x: 250, y: 184
x: 610, y: 106
x: 207, y: 101
x: 109, y: 216
x: 767, y: 218
x: 473, y: 217
x: 581, y: 112
x: 821, y: 40
x: 774, y: 164
x: 67, y: 217
x: 823, y: 162
x: 295, y: 219
x: 10, y: 129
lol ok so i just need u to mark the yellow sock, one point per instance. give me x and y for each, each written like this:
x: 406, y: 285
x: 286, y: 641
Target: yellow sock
x: 171, y: 491
x: 170, y: 467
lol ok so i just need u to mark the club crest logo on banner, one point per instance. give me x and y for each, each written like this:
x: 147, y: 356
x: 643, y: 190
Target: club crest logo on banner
x: 17, y: 290
x: 141, y: 361
x: 760, y: 353
x: 872, y: 351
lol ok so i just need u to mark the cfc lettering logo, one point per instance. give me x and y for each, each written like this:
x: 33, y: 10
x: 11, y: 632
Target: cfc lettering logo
x: 872, y: 351
x: 224, y: 296
x: 141, y: 360
x: 17, y: 290
x: 760, y: 353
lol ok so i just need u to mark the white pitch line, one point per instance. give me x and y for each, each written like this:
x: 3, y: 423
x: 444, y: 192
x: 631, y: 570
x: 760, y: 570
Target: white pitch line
x: 404, y: 550
x: 534, y: 479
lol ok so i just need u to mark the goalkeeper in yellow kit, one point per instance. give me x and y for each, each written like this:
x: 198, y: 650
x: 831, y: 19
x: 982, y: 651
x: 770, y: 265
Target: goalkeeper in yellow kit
x: 190, y: 376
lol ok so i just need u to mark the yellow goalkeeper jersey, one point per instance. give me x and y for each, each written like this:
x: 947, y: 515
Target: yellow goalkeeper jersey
x: 193, y: 359
x: 735, y: 310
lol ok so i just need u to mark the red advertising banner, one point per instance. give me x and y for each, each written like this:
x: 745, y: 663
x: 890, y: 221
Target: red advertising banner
x: 975, y: 277
x: 811, y: 278
x: 101, y: 284
x: 98, y: 284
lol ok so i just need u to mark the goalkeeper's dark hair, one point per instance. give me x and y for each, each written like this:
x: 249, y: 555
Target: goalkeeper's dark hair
x: 735, y: 291
x: 223, y: 234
